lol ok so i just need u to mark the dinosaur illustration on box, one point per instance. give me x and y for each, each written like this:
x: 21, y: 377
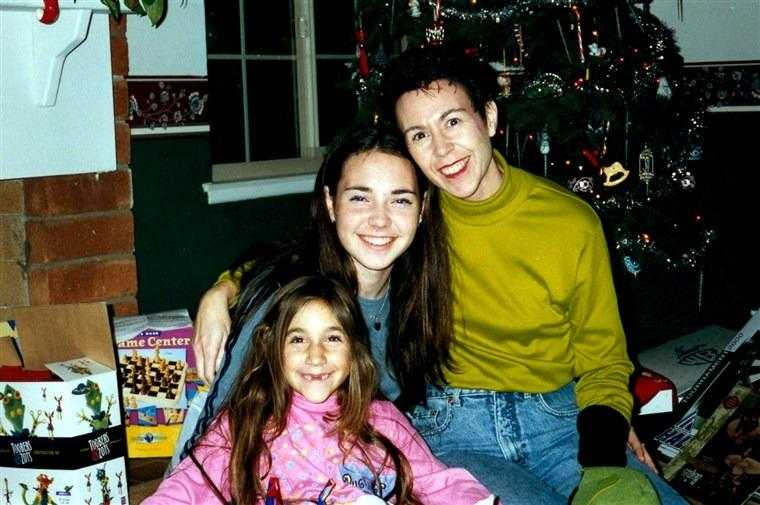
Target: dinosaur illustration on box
x: 13, y: 407
x: 100, y: 419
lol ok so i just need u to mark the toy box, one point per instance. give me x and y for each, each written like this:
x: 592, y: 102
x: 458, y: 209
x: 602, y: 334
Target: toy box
x: 158, y: 378
x: 61, y: 434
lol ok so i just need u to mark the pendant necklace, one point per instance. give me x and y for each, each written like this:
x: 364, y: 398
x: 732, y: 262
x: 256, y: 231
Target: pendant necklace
x: 376, y: 323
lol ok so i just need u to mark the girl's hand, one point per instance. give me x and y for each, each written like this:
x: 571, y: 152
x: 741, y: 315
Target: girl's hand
x: 640, y: 451
x: 211, y: 329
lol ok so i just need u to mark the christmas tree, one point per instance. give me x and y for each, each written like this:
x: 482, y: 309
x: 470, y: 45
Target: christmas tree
x: 593, y: 97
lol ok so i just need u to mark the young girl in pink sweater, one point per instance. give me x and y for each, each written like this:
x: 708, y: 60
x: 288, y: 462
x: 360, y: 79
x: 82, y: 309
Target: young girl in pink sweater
x: 304, y: 412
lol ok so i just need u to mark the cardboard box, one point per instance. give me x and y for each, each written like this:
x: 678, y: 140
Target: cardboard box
x: 62, y: 439
x: 158, y: 378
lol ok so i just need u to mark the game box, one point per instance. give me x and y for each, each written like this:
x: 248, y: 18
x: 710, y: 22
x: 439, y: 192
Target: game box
x: 158, y: 378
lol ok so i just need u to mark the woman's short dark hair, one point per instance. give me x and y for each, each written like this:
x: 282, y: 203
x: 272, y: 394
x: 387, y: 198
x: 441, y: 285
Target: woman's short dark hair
x: 417, y: 68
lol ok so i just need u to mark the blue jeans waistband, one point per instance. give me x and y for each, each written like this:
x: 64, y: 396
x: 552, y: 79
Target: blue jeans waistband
x: 446, y: 391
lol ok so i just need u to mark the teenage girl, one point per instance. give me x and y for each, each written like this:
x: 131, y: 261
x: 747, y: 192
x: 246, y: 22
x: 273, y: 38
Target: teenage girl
x: 304, y: 412
x: 375, y: 226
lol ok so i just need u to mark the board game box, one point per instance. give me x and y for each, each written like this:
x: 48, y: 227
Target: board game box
x: 158, y: 378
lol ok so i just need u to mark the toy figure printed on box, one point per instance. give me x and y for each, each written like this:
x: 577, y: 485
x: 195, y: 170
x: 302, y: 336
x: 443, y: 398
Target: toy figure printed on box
x: 158, y: 378
x: 7, y: 493
x: 99, y: 419
x: 43, y: 496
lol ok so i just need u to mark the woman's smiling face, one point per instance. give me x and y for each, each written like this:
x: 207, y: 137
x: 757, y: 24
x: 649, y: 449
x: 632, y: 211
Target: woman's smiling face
x: 376, y: 209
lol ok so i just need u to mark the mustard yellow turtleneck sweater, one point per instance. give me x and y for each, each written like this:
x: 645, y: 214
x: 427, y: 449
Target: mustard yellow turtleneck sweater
x: 534, y: 303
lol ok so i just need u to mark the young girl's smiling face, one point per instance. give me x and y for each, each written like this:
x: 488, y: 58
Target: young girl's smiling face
x: 317, y: 354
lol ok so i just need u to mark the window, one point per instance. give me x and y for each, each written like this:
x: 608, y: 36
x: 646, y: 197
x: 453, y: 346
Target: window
x: 278, y: 78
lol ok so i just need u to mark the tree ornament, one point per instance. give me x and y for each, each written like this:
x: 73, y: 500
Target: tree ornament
x: 434, y: 35
x: 591, y: 156
x: 507, y: 13
x: 581, y: 184
x: 544, y: 148
x: 414, y: 8
x: 684, y: 178
x: 646, y: 166
x: 380, y: 58
x: 361, y: 51
x: 517, y: 29
x: 545, y: 85
x: 504, y: 74
x: 605, y: 138
x: 631, y: 265
x: 596, y: 50
x: 578, y: 31
x: 614, y: 174
x: 504, y: 80
x: 663, y: 88
x: 688, y: 181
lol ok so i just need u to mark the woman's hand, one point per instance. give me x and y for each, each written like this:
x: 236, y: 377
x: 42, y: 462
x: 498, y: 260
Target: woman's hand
x: 640, y: 451
x: 211, y: 329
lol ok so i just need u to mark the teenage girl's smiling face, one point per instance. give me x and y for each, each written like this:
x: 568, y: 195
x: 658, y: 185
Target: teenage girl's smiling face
x: 376, y: 209
x: 317, y: 353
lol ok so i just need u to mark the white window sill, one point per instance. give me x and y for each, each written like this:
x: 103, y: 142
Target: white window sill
x: 234, y: 182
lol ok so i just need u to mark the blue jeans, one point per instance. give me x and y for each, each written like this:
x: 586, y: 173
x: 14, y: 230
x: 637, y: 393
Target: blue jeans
x: 522, y: 446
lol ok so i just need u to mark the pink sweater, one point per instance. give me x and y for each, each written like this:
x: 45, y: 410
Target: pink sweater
x: 304, y: 458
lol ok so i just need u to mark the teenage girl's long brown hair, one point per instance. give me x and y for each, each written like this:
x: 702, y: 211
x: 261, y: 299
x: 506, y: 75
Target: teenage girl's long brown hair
x: 419, y: 335
x: 258, y: 406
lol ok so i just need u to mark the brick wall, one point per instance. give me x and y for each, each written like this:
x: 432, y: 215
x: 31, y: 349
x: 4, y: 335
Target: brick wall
x: 69, y: 239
